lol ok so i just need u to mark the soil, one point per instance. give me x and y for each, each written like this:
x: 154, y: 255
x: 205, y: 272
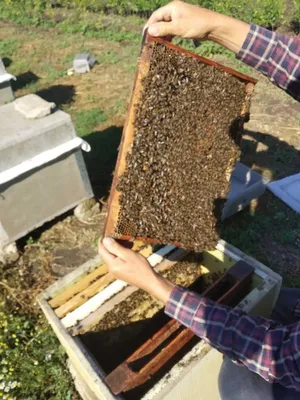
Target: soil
x: 186, y: 134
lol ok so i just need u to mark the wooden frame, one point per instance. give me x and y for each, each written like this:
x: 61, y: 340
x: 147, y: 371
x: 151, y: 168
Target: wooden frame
x: 128, y: 131
x: 226, y: 290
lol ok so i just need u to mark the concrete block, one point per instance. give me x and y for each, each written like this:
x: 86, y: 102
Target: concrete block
x: 288, y: 190
x: 33, y: 106
x: 83, y: 63
x: 245, y: 186
x: 6, y: 93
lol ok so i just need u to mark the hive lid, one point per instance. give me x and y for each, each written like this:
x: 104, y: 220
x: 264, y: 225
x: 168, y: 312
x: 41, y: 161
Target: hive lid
x: 113, y: 221
x: 22, y: 138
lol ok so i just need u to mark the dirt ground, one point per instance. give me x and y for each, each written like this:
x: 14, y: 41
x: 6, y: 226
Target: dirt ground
x: 268, y: 230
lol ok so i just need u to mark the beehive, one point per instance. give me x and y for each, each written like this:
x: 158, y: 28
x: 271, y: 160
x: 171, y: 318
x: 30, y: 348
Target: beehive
x: 179, y: 144
x: 102, y: 340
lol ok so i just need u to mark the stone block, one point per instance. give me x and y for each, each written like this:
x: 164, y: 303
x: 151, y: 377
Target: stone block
x: 9, y: 254
x: 83, y: 63
x: 32, y: 106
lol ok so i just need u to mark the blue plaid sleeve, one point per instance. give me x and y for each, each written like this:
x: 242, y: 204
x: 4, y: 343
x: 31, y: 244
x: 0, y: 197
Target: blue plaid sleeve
x: 276, y: 56
x: 264, y: 346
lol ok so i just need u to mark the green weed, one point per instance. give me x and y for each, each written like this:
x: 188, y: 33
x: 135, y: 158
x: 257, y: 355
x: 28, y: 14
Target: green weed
x: 87, y: 120
x: 32, y: 363
x: 8, y: 46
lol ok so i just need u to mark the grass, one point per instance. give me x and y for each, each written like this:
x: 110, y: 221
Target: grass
x: 33, y: 365
x: 8, y: 46
x: 270, y: 232
x: 86, y: 120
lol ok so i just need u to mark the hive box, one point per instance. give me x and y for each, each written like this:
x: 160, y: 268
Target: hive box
x: 195, y: 376
x: 56, y: 179
x: 245, y: 186
x: 288, y: 190
x: 6, y: 92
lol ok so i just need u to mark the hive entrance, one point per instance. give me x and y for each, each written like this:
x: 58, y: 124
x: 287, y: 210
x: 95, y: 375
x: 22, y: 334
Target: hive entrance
x: 179, y: 143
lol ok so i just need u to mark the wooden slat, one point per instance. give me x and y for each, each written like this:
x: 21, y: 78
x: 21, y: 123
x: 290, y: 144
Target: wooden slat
x: 226, y: 290
x: 93, y: 289
x: 94, y: 318
x: 85, y: 282
x: 111, y: 290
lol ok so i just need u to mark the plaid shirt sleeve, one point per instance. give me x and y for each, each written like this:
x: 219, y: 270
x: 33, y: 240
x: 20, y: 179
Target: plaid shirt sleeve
x: 264, y: 346
x: 276, y: 56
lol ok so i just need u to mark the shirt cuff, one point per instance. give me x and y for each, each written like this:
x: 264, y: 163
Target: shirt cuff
x: 183, y: 305
x: 257, y: 47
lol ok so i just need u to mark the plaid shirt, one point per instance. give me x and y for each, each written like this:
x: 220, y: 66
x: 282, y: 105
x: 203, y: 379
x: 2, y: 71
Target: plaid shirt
x: 276, y: 56
x: 263, y: 346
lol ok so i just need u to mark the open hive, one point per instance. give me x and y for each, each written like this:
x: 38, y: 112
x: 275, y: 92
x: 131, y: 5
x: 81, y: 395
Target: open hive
x: 119, y: 337
x: 179, y: 145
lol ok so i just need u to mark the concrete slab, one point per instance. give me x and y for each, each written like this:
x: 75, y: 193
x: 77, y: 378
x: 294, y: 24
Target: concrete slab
x: 32, y: 106
x: 245, y: 186
x: 288, y: 190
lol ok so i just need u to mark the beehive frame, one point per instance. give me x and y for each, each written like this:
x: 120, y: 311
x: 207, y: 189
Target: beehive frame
x: 128, y: 131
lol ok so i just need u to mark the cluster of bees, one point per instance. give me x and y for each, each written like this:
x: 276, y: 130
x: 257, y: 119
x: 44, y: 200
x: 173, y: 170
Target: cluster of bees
x: 185, y: 126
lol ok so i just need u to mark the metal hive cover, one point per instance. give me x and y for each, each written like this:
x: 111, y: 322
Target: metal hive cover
x: 163, y: 195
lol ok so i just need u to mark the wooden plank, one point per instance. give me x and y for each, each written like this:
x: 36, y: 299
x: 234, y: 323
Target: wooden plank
x: 226, y: 290
x: 111, y: 290
x: 94, y: 318
x: 93, y: 289
x: 85, y: 282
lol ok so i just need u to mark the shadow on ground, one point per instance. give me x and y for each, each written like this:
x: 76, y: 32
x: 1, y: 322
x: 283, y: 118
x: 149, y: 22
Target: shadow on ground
x: 101, y: 160
x: 24, y: 79
x: 269, y: 230
x: 6, y: 61
x: 58, y: 94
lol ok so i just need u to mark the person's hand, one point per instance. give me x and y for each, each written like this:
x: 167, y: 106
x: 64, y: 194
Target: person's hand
x: 193, y: 22
x: 181, y: 19
x: 134, y: 269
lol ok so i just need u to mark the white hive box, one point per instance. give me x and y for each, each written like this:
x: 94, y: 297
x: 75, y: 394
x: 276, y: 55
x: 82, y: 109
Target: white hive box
x: 195, y: 375
x: 288, y: 190
x: 42, y: 171
x: 245, y: 186
x: 6, y: 92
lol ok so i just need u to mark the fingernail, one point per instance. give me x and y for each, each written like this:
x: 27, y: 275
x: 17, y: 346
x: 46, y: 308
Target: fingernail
x: 108, y: 241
